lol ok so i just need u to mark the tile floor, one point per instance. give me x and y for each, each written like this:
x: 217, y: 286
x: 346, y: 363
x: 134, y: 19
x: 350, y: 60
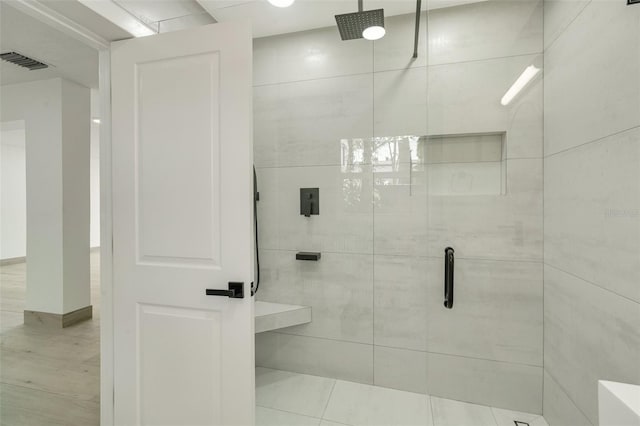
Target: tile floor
x: 291, y: 399
x: 51, y: 378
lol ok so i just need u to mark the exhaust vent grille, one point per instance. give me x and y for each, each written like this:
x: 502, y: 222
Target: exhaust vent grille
x: 23, y: 61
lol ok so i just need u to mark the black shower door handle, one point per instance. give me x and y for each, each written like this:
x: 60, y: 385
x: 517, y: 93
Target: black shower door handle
x: 448, y: 277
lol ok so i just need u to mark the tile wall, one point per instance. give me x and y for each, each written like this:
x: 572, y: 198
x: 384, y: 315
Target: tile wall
x: 591, y: 204
x: 347, y: 117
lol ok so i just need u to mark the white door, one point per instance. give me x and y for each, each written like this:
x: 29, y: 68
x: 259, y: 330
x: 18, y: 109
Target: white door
x: 182, y: 224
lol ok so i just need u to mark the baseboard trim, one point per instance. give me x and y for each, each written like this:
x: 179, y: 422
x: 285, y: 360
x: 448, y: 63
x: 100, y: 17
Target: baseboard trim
x: 12, y: 260
x: 47, y: 319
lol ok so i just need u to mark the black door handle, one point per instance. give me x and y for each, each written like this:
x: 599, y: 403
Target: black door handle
x: 448, y: 277
x: 236, y: 291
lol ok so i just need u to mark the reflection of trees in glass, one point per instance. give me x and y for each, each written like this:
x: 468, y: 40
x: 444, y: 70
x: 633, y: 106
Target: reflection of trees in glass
x: 352, y: 191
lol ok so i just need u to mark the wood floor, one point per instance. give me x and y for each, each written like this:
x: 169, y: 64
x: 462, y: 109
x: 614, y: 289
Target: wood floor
x: 47, y: 377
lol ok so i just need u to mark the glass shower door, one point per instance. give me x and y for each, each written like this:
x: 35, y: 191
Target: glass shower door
x: 483, y: 161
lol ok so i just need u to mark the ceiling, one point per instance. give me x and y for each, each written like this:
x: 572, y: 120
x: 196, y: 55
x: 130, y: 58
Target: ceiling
x: 66, y: 56
x: 308, y: 14
x: 71, y: 59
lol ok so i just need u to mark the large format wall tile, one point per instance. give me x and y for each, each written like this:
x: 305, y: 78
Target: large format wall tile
x: 559, y: 410
x: 400, y: 102
x: 592, y: 215
x: 590, y: 334
x: 395, y: 50
x: 338, y: 288
x: 319, y: 357
x: 345, y: 222
x: 497, y: 311
x: 492, y: 226
x: 400, y: 209
x: 592, y: 88
x: 497, y: 384
x: 484, y: 30
x: 400, y: 301
x: 465, y: 98
x: 303, y: 123
x: 558, y: 14
x: 309, y: 55
x: 400, y: 369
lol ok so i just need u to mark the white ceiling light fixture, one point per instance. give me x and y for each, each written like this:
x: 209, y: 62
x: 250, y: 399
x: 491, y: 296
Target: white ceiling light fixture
x: 527, y: 75
x: 374, y: 32
x: 95, y: 120
x: 281, y: 3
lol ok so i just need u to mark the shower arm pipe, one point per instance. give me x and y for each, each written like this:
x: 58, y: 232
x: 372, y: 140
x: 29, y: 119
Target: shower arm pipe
x: 360, y: 5
x: 416, y: 37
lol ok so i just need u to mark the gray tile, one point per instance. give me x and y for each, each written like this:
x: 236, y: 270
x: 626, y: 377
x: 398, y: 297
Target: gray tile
x: 505, y: 226
x: 345, y: 222
x: 339, y: 289
x: 270, y: 417
x: 590, y: 334
x: 447, y: 412
x: 558, y: 14
x: 601, y: 99
x: 497, y: 311
x: 293, y: 392
x: 400, y: 102
x: 308, y: 55
x: 395, y: 50
x: 400, y: 297
x: 592, y: 217
x: 474, y: 90
x: 364, y: 405
x: 484, y: 30
x: 559, y: 410
x: 321, y: 357
x: 507, y: 418
x: 400, y: 208
x: 303, y: 123
x: 400, y: 369
x: 498, y: 384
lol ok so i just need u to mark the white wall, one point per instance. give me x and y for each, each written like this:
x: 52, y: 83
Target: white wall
x: 13, y: 234
x: 13, y: 203
x: 57, y: 118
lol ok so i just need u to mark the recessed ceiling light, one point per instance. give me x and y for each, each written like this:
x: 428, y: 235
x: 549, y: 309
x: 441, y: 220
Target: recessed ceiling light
x: 281, y: 3
x: 374, y: 32
x: 96, y: 120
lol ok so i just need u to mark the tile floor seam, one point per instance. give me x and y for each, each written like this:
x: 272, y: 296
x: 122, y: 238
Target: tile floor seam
x: 493, y: 414
x: 287, y: 411
x: 328, y: 399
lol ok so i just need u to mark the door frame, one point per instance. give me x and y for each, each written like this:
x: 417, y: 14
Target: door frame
x: 40, y: 11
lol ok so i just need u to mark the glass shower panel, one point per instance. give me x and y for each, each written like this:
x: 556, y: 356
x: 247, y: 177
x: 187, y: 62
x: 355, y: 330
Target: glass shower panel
x: 483, y: 150
x: 398, y: 161
x: 313, y: 124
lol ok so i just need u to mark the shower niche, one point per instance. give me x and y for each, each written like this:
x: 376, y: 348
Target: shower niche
x: 466, y: 164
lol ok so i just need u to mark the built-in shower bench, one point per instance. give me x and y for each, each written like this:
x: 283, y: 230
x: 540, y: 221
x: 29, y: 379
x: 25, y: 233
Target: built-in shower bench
x: 273, y: 316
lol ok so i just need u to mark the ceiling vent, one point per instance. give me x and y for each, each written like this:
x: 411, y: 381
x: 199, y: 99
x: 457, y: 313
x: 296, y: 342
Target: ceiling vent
x: 23, y: 61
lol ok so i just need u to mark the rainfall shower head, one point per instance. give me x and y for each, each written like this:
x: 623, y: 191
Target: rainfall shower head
x: 352, y: 25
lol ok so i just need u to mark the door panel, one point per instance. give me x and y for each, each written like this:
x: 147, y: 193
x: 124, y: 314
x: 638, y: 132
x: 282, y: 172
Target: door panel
x: 177, y: 103
x: 182, y: 223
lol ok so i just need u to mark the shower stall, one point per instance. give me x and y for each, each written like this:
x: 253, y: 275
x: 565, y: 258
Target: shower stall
x: 467, y: 240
